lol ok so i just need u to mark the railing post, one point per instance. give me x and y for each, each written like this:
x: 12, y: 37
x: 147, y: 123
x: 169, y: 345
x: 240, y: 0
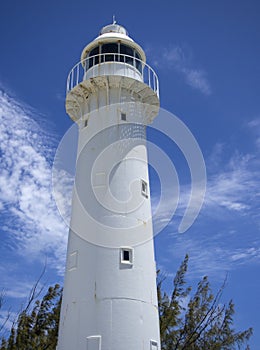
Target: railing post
x: 114, y: 59
x: 68, y: 83
x: 71, y: 79
x: 78, y: 72
x: 85, y: 67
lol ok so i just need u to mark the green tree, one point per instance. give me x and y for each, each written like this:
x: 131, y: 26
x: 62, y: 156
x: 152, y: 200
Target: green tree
x: 198, y: 321
x: 37, y: 328
x: 188, y: 321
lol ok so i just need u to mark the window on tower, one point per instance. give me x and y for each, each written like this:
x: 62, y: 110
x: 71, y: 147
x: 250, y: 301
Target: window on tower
x: 153, y: 345
x: 138, y: 63
x: 94, y: 342
x: 92, y: 61
x: 126, y: 255
x: 144, y: 188
x: 107, y: 49
x: 123, y: 116
x: 114, y: 52
x: 127, y: 54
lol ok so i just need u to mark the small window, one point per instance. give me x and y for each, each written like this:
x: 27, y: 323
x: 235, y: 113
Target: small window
x: 94, y: 342
x: 73, y: 261
x: 126, y: 255
x: 109, y: 51
x: 144, y: 188
x: 123, y: 116
x: 153, y: 345
x: 109, y: 48
x: 138, y: 63
x: 85, y: 123
x: 91, y: 61
x: 127, y: 54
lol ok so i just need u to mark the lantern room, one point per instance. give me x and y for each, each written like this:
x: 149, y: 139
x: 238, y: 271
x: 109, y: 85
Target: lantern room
x: 113, y: 45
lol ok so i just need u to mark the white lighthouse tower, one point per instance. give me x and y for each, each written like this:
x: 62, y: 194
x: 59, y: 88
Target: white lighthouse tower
x: 110, y: 298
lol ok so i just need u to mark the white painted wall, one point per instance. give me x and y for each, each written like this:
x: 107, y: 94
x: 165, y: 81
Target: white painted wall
x: 108, y: 304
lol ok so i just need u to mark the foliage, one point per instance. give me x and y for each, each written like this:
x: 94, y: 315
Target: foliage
x: 188, y: 321
x: 198, y: 321
x: 37, y: 328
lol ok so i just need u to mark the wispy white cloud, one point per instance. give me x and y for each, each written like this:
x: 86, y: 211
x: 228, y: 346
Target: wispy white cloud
x: 20, y: 290
x: 240, y: 255
x: 16, y: 297
x: 213, y: 253
x: 179, y: 59
x: 233, y: 185
x: 197, y: 79
x: 7, y: 320
x: 254, y: 126
x: 232, y: 199
x: 236, y: 186
x: 30, y: 216
x: 36, y: 228
x: 206, y: 255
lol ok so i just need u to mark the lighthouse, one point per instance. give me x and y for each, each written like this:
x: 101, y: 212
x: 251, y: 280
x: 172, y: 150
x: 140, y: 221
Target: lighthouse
x: 110, y: 296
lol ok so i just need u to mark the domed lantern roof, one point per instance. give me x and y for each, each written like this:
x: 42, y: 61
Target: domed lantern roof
x: 113, y: 33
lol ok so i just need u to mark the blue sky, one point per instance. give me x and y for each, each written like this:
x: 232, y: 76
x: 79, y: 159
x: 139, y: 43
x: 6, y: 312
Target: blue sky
x: 206, y: 54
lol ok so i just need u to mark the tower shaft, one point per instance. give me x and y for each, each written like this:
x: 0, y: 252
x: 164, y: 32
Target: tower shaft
x: 110, y: 298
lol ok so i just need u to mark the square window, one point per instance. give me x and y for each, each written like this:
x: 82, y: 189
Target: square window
x: 144, y: 188
x: 94, y: 342
x: 153, y: 345
x: 73, y: 260
x: 126, y: 255
x: 123, y: 116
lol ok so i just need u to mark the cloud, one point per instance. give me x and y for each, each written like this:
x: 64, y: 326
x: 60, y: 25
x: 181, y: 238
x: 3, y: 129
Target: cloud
x: 254, y: 126
x: 233, y: 186
x: 177, y: 58
x: 249, y: 254
x: 236, y: 186
x: 197, y: 79
x: 20, y: 290
x: 226, y: 232
x: 31, y: 220
x: 213, y: 251
x: 7, y: 320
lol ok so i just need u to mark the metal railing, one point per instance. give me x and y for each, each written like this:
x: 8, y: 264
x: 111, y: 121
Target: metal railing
x: 112, y: 64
